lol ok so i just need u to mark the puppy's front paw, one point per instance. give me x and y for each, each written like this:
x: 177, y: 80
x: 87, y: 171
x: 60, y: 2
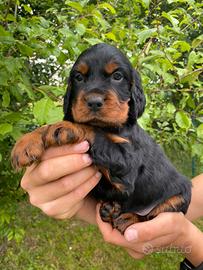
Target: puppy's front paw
x: 109, y: 211
x: 61, y: 133
x: 27, y: 150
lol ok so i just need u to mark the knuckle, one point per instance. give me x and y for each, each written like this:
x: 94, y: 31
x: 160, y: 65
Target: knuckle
x: 78, y: 193
x: 33, y: 200
x: 146, y: 235
x: 65, y: 185
x: 49, y: 209
x: 138, y: 256
x: 44, y: 171
x: 107, y: 238
x: 171, y: 219
x: 23, y: 184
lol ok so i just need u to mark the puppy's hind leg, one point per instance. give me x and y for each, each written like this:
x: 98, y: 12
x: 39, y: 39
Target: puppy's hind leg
x: 173, y: 204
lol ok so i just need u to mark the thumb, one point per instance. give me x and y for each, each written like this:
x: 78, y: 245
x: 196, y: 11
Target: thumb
x: 163, y: 224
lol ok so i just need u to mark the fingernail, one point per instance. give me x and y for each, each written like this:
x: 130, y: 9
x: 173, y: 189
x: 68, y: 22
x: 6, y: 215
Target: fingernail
x: 83, y: 146
x: 131, y: 235
x: 87, y: 159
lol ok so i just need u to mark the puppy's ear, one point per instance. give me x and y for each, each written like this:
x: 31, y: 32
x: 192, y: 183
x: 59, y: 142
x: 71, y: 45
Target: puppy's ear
x: 137, y: 101
x: 67, y: 102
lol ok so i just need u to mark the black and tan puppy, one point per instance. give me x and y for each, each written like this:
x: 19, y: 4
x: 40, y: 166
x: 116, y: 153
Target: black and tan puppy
x: 102, y: 104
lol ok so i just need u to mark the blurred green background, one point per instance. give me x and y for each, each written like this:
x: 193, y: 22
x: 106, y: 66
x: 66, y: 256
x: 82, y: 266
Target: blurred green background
x: 39, y: 41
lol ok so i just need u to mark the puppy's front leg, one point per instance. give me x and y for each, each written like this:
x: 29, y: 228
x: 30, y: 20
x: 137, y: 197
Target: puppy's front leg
x: 32, y: 145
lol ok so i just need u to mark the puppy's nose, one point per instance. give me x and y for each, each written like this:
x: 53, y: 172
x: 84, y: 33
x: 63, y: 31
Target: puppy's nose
x: 95, y: 103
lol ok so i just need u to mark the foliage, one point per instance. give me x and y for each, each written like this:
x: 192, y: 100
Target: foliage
x: 39, y: 40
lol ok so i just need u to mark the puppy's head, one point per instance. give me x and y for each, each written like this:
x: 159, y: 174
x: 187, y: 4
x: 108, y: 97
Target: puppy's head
x: 103, y: 89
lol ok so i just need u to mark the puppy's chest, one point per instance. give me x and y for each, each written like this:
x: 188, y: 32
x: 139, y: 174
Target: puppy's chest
x: 113, y: 154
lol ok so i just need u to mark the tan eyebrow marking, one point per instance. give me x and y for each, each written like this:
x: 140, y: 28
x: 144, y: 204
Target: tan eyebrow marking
x: 111, y: 67
x: 82, y: 68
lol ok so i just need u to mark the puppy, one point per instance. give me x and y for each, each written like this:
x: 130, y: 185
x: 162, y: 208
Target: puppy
x: 103, y: 101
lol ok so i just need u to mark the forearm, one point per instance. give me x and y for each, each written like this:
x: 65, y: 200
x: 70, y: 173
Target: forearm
x: 88, y: 211
x: 193, y: 247
x: 196, y: 206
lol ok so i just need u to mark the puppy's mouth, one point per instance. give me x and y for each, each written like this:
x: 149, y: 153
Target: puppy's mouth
x: 100, y: 110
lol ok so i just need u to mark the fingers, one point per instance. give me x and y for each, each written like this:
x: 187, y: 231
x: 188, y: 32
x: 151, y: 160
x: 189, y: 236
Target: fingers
x: 136, y: 255
x: 59, y: 184
x: 66, y: 204
x: 54, y: 168
x: 53, y: 190
x: 65, y: 150
x: 164, y: 224
x: 71, y: 212
x: 143, y: 238
x: 109, y: 234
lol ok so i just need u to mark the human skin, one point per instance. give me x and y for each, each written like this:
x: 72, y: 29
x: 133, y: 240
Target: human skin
x: 59, y: 186
x: 168, y: 230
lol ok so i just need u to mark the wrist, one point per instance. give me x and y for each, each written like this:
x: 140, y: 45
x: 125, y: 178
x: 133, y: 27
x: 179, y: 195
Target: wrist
x: 87, y: 211
x: 193, y: 245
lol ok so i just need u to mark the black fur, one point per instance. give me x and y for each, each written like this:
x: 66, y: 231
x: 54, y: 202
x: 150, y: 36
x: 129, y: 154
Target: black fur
x: 147, y: 174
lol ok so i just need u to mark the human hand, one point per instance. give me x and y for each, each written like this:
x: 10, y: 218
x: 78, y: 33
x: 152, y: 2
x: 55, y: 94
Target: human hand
x: 167, y: 230
x: 59, y: 184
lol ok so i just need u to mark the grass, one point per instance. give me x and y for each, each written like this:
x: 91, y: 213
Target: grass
x: 68, y: 245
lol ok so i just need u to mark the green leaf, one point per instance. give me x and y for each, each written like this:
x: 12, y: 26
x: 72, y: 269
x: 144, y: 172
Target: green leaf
x: 197, y: 41
x: 25, y: 87
x: 5, y: 36
x: 41, y: 110
x: 28, y: 9
x: 170, y: 108
x: 5, y: 128
x: 193, y: 59
x: 6, y: 99
x: 183, y: 120
x: 10, y: 17
x: 197, y: 149
x: 24, y: 49
x: 145, y: 34
x: 56, y: 90
x: 62, y: 58
x: 4, y: 77
x: 75, y: 5
x: 99, y: 18
x: 55, y: 114
x: 107, y: 6
x: 146, y: 2
x: 183, y: 45
x: 3, y: 32
x: 171, y: 19
x: 111, y: 36
x: 200, y: 131
x: 80, y: 28
x: 93, y: 41
x: 191, y: 76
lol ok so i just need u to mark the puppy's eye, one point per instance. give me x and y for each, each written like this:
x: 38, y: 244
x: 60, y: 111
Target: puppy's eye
x: 117, y: 76
x: 79, y: 77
